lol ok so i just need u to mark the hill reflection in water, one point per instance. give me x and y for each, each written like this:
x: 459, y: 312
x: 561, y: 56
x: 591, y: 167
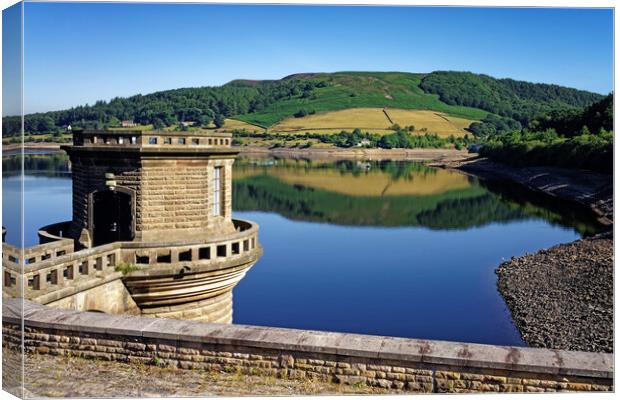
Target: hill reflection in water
x: 391, y: 193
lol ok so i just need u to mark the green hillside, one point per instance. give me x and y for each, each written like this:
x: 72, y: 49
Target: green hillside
x: 518, y: 100
x: 355, y: 90
x: 264, y: 103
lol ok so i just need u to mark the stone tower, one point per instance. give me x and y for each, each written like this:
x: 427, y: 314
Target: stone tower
x: 130, y: 185
x: 165, y: 199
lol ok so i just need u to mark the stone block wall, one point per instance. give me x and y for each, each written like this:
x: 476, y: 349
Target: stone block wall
x: 88, y: 175
x: 111, y: 297
x: 173, y: 196
x: 176, y: 198
x: 407, y: 364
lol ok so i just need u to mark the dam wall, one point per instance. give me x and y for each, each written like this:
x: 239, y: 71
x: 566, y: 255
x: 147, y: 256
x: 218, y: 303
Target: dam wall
x: 407, y: 364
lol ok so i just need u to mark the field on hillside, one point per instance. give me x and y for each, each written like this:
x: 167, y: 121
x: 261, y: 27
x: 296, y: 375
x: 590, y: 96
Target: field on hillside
x: 434, y: 122
x: 233, y: 124
x: 374, y: 120
x: 361, y: 90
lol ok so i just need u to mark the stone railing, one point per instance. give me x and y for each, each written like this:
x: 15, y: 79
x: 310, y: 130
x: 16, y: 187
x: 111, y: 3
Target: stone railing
x: 54, y: 270
x: 407, y: 364
x: 150, y: 139
x: 244, y: 240
x: 51, y: 278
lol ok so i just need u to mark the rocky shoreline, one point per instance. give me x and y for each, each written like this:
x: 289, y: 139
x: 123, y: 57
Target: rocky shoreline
x: 590, y: 189
x: 337, y: 153
x: 562, y: 297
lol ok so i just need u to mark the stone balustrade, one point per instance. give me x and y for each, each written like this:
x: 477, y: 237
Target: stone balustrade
x: 51, y: 277
x: 127, y: 139
x: 243, y: 240
x: 53, y: 270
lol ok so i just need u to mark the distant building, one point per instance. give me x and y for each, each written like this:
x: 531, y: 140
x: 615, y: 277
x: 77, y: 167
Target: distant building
x: 363, y: 142
x: 187, y: 123
x: 128, y: 123
x: 68, y: 128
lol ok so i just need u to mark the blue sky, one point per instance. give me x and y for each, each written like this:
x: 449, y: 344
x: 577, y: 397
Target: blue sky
x: 79, y: 53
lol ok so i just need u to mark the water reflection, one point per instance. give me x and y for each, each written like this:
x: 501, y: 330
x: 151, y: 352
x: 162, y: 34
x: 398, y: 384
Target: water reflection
x: 390, y: 193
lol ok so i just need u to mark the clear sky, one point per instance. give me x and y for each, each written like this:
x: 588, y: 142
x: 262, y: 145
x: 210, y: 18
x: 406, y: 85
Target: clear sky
x: 79, y: 53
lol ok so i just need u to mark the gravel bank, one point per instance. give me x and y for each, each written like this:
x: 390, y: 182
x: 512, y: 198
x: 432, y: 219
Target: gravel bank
x: 562, y: 298
x: 338, y: 153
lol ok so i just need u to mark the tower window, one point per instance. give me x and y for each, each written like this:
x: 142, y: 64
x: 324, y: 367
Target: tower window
x: 181, y: 140
x: 217, y: 191
x: 152, y: 140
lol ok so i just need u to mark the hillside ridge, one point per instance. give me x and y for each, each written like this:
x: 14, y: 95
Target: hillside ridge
x: 267, y: 102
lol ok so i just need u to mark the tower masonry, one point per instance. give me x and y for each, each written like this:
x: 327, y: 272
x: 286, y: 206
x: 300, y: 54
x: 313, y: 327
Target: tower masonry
x: 151, y: 232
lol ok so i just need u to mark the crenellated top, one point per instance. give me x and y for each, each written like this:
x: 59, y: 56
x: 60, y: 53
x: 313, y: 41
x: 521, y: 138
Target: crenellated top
x: 151, y: 140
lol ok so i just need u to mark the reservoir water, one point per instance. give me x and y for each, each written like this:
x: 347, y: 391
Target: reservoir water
x: 384, y: 248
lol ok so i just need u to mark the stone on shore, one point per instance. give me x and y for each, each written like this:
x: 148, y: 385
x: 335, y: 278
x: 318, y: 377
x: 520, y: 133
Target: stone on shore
x: 562, y: 298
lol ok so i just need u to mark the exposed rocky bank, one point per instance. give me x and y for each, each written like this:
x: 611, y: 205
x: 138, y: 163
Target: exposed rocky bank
x: 562, y: 298
x: 590, y: 189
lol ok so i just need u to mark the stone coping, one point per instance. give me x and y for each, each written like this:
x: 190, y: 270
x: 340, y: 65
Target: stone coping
x: 120, y: 132
x: 124, y: 151
x: 546, y: 361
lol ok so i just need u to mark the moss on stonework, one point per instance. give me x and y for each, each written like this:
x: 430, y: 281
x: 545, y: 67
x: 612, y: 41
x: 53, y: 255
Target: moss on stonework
x: 126, y: 268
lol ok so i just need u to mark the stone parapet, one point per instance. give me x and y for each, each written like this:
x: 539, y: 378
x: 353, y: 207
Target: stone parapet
x: 136, y: 139
x: 408, y: 364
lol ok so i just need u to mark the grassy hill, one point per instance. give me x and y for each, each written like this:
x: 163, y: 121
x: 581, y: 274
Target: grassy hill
x: 345, y: 90
x: 452, y: 98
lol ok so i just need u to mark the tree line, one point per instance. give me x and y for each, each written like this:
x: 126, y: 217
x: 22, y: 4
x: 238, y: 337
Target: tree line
x: 518, y: 100
x: 203, y: 106
x: 581, y: 139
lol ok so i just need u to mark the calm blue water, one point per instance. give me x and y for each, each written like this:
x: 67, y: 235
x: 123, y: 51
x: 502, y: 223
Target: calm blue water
x: 430, y: 279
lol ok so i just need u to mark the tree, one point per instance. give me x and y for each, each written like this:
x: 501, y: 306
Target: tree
x: 300, y: 114
x: 158, y: 124
x: 218, y: 120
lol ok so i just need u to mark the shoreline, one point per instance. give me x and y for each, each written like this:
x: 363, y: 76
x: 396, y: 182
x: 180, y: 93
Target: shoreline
x: 561, y: 297
x: 13, y: 148
x: 429, y: 154
x: 590, y: 189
